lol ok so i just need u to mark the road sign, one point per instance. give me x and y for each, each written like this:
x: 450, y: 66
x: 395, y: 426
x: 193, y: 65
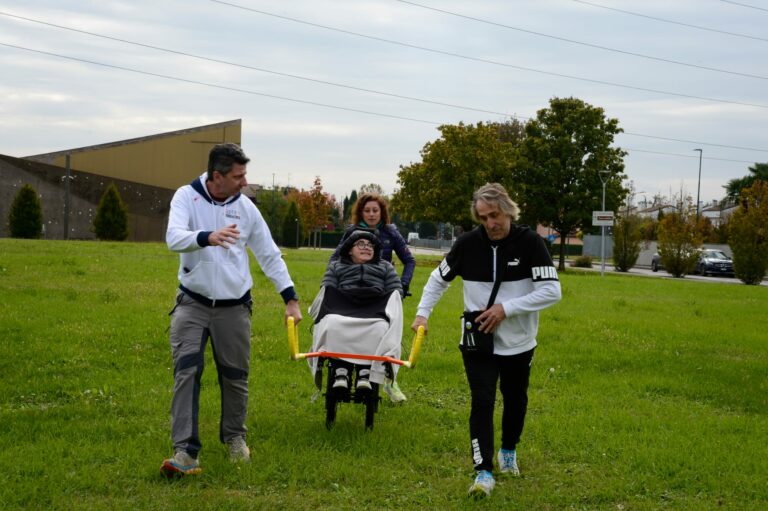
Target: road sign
x: 602, y: 218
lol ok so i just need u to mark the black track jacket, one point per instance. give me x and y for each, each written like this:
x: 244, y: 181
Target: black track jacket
x: 529, y: 282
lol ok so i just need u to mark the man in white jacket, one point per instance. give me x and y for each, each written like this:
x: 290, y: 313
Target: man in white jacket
x: 210, y: 224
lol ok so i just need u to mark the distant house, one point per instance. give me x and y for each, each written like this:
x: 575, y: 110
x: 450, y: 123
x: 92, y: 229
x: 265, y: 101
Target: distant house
x: 653, y: 211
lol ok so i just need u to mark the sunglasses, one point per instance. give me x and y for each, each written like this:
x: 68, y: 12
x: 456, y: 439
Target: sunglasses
x: 364, y: 244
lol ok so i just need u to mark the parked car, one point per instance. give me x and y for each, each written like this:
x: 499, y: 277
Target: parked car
x: 714, y: 262
x: 709, y: 262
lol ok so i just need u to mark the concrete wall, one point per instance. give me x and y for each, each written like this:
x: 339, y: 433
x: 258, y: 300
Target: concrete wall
x: 147, y: 206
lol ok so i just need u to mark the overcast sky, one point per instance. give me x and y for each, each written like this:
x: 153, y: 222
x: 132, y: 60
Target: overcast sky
x: 293, y: 71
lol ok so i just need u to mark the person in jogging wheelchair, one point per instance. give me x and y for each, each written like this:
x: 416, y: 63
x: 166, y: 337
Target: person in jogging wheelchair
x: 357, y: 310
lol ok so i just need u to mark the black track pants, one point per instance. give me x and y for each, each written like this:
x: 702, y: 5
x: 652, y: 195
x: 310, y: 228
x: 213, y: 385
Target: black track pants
x: 483, y: 373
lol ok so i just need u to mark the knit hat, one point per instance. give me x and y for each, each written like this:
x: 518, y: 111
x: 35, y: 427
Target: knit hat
x: 361, y: 234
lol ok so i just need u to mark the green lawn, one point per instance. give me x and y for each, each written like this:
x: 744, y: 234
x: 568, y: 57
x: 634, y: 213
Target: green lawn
x: 645, y: 394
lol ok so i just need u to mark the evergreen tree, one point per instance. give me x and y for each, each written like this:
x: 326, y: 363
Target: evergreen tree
x: 350, y: 205
x: 292, y: 227
x: 25, y: 219
x: 111, y: 222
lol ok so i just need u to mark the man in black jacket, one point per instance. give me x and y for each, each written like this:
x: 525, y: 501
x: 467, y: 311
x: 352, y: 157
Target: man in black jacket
x: 518, y: 257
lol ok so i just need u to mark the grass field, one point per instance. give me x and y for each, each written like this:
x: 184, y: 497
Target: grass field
x: 645, y: 394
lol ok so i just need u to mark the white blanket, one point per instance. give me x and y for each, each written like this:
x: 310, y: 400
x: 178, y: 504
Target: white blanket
x: 364, y: 336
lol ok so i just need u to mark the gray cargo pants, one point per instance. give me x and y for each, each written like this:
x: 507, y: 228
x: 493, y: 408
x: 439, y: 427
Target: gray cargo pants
x: 229, y: 329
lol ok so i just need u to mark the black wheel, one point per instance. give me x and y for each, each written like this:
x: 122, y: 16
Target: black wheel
x: 331, y: 405
x: 370, y: 413
x: 371, y: 406
x: 331, y: 401
x: 654, y: 266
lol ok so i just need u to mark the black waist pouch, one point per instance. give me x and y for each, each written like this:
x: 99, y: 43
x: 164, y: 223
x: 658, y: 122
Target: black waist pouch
x: 472, y: 339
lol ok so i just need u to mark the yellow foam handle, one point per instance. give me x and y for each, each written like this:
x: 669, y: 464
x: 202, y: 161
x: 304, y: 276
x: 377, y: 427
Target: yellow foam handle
x: 416, y: 347
x: 293, y: 338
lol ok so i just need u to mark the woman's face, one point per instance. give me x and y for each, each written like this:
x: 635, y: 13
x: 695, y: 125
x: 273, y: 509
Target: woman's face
x: 362, y: 252
x: 371, y: 213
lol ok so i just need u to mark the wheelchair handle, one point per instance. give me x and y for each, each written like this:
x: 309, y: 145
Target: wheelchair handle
x: 293, y: 346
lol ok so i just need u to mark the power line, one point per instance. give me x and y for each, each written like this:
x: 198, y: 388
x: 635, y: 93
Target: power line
x: 671, y: 21
x: 299, y: 77
x: 696, y: 142
x: 582, y: 43
x: 745, y: 5
x: 488, y: 61
x: 685, y: 155
x: 224, y: 87
x: 253, y: 68
x: 349, y: 109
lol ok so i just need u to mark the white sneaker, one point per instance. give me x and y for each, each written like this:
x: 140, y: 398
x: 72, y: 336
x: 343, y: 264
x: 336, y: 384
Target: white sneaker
x: 483, y: 485
x: 238, y: 450
x: 362, y: 380
x: 340, y: 381
x: 392, y: 389
x: 508, y: 462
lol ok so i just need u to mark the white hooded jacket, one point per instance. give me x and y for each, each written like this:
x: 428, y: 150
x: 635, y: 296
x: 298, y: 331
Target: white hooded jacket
x: 214, y: 272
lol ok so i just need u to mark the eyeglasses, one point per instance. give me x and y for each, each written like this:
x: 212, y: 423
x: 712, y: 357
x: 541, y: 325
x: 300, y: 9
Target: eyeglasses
x: 364, y: 244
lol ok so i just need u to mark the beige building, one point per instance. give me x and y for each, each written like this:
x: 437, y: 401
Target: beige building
x: 146, y: 170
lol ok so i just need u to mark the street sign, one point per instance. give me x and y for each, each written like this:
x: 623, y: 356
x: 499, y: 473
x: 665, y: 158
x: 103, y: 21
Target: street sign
x: 602, y: 218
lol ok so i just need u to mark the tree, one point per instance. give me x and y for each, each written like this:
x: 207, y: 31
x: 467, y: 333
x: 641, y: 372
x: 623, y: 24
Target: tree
x: 748, y: 229
x: 678, y: 242
x: 315, y: 207
x: 439, y: 187
x: 273, y: 206
x: 349, y: 206
x: 648, y: 229
x: 111, y: 222
x: 25, y: 219
x: 735, y: 186
x: 372, y: 188
x: 292, y: 226
x: 557, y: 178
x: 706, y: 230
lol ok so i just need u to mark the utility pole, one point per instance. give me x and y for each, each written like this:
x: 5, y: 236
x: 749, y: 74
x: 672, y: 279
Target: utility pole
x: 603, y: 178
x: 698, y: 188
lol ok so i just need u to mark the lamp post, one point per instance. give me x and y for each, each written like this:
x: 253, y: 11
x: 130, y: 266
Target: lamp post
x: 297, y: 233
x: 698, y: 188
x: 603, y: 178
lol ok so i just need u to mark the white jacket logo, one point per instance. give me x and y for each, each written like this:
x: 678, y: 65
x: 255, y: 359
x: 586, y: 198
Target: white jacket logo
x: 444, y: 268
x: 543, y: 272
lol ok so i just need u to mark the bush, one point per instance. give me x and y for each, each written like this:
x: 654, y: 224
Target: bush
x: 626, y: 242
x: 111, y: 222
x: 678, y: 244
x: 749, y: 234
x: 25, y: 219
x: 583, y: 261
